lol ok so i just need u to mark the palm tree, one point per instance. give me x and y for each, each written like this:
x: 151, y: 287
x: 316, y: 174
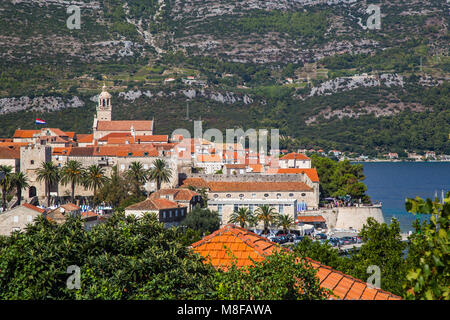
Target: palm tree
x: 95, y: 177
x: 286, y: 222
x: 20, y: 182
x: 5, y: 183
x: 72, y: 173
x: 138, y: 176
x: 160, y: 172
x: 242, y: 216
x: 49, y: 173
x: 267, y: 215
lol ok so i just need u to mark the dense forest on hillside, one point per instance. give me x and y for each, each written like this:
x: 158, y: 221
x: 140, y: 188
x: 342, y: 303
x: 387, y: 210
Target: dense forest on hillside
x: 312, y: 71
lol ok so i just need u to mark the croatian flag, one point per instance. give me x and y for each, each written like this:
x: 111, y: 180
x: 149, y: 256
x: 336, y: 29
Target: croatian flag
x: 40, y: 121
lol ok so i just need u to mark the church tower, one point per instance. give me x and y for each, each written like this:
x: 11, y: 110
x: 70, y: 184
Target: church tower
x: 104, y: 107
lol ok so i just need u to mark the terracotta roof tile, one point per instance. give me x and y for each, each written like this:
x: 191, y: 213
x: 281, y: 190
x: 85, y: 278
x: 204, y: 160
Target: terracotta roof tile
x: 125, y: 125
x: 294, y: 155
x: 246, y: 245
x: 30, y: 206
x: 217, y: 186
x: 85, y: 138
x: 178, y: 194
x: 310, y: 172
x: 25, y: 133
x: 195, y: 182
x: 9, y: 153
x: 154, y: 204
x: 310, y: 219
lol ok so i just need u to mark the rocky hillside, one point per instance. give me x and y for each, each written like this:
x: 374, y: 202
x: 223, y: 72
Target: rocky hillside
x: 313, y: 68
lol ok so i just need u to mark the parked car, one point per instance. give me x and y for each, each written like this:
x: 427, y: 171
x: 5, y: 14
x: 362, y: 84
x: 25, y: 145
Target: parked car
x: 275, y: 239
x: 346, y: 240
x: 321, y: 236
x: 291, y: 237
x: 283, y: 239
x: 334, y: 241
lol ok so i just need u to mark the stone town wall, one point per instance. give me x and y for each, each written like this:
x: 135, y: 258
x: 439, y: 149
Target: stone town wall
x: 348, y: 217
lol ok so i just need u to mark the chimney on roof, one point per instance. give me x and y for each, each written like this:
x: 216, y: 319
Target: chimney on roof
x: 295, y: 160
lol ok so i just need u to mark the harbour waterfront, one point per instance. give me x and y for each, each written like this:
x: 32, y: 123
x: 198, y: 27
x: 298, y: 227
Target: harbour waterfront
x: 393, y: 182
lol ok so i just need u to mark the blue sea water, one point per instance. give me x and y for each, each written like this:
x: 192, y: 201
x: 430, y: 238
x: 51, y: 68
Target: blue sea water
x: 393, y: 182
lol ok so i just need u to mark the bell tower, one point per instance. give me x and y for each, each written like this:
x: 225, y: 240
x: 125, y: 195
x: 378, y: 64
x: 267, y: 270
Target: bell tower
x: 104, y: 107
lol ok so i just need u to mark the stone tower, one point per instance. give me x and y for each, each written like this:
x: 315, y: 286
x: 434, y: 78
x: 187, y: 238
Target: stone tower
x: 104, y: 107
x: 31, y: 159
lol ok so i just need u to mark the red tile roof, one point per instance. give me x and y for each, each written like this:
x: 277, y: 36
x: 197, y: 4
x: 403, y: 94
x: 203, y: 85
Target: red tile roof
x: 88, y: 214
x: 61, y: 150
x: 236, y: 166
x: 195, y: 182
x: 70, y: 207
x: 229, y: 242
x: 56, y: 131
x: 70, y: 134
x: 209, y: 158
x: 30, y: 206
x: 311, y: 173
x: 152, y: 138
x: 178, y: 194
x: 15, y: 145
x: 85, y: 138
x: 242, y: 186
x: 125, y: 125
x: 294, y: 155
x: 219, y: 186
x: 9, y: 153
x: 257, y: 168
x: 115, y: 135
x: 25, y: 133
x: 306, y: 219
x: 154, y: 204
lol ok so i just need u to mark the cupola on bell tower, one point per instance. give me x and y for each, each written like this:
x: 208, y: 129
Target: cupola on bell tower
x: 104, y: 107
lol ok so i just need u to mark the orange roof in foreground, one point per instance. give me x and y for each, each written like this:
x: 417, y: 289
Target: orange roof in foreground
x: 246, y: 245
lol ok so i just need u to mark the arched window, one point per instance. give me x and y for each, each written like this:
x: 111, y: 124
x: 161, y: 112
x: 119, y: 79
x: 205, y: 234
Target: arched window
x: 32, y: 192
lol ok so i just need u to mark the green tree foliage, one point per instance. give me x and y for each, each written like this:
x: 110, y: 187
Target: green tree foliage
x: 19, y: 181
x: 267, y: 215
x: 138, y: 177
x: 117, y: 191
x: 124, y: 258
x: 322, y: 252
x: 203, y: 220
x: 160, y: 172
x: 281, y: 276
x: 5, y: 183
x: 383, y: 247
x: 95, y: 178
x: 73, y: 173
x: 340, y: 178
x: 50, y: 174
x: 285, y: 221
x: 241, y: 217
x: 428, y: 257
